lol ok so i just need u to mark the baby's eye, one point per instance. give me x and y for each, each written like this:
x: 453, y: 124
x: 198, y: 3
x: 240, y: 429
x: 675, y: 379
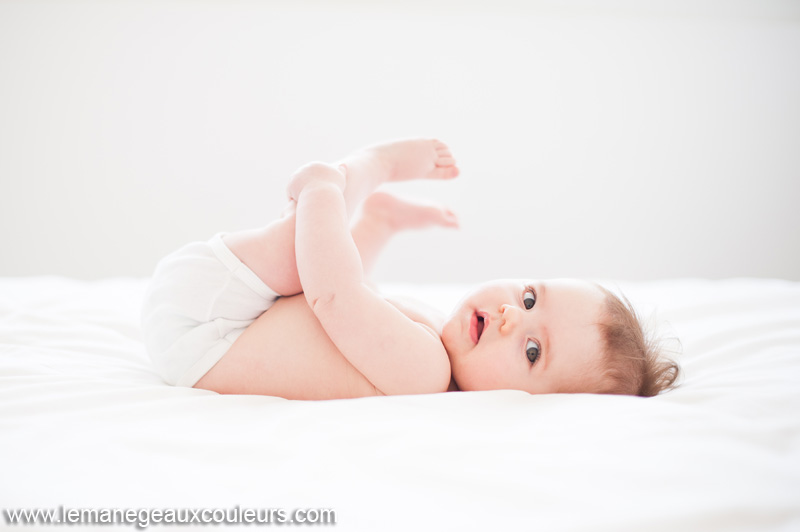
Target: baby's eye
x: 529, y: 299
x: 532, y: 351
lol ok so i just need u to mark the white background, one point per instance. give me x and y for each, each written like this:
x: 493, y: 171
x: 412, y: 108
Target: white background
x: 626, y: 140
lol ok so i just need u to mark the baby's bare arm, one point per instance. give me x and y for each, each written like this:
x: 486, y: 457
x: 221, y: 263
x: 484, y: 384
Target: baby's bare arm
x: 397, y: 355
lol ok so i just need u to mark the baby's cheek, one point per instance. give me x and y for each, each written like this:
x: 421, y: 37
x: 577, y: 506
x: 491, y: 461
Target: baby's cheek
x: 484, y: 373
x: 465, y: 375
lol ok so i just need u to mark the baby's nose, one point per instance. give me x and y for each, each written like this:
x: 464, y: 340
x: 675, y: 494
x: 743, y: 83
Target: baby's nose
x: 509, y: 315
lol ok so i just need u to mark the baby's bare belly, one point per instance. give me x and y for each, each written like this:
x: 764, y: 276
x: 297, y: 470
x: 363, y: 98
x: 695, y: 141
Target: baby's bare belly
x: 286, y: 353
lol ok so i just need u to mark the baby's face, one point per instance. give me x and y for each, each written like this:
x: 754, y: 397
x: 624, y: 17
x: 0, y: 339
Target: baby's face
x: 536, y: 336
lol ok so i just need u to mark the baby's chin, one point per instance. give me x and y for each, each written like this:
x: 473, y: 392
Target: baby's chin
x: 449, y: 335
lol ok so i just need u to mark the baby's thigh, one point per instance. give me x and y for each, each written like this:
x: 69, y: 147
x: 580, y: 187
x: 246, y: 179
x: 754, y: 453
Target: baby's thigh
x: 286, y: 353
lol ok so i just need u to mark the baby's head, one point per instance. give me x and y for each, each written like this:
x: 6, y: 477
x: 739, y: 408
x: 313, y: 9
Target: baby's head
x: 556, y: 336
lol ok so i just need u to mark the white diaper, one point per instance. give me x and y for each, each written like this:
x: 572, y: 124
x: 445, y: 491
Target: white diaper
x: 200, y: 299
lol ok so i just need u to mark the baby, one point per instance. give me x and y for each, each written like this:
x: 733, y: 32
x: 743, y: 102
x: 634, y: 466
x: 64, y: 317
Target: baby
x: 288, y: 310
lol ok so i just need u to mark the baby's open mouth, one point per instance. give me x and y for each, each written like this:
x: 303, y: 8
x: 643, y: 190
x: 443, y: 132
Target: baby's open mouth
x: 477, y: 325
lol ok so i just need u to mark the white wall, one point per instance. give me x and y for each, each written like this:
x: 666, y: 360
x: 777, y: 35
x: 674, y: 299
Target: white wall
x: 624, y: 140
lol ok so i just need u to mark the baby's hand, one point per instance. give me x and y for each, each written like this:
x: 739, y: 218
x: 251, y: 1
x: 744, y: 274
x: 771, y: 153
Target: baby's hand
x: 315, y: 173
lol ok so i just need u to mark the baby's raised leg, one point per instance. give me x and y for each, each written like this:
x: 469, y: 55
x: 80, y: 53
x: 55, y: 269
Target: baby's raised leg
x: 383, y: 215
x: 270, y: 251
x: 401, y: 160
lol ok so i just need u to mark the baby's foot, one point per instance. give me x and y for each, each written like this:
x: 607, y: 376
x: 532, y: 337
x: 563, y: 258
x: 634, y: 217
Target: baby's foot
x: 399, y: 214
x: 396, y: 161
x: 412, y: 159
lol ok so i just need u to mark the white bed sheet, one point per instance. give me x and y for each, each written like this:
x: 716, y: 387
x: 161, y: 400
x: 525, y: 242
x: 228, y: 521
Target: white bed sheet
x: 86, y: 423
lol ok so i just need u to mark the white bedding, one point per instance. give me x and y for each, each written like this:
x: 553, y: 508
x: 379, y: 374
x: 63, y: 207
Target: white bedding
x: 86, y: 423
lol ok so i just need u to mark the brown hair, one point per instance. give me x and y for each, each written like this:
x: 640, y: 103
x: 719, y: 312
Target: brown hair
x: 633, y: 362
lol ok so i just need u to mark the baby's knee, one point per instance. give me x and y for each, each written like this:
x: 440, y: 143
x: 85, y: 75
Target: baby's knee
x: 314, y: 172
x: 315, y: 168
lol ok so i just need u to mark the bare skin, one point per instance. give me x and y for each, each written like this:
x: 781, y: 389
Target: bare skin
x: 332, y: 336
x: 287, y: 351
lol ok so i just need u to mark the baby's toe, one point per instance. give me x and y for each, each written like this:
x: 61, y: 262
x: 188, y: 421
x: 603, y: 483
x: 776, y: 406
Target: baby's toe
x: 449, y: 218
x: 448, y: 171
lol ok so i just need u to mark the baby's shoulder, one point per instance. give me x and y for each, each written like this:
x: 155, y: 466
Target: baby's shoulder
x: 429, y: 317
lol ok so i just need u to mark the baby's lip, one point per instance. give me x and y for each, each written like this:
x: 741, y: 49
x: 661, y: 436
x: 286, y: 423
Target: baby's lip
x: 478, y: 323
